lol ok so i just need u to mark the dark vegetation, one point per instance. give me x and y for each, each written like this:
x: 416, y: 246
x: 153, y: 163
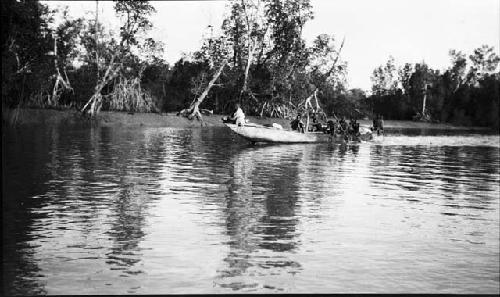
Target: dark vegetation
x: 259, y: 59
x: 467, y: 93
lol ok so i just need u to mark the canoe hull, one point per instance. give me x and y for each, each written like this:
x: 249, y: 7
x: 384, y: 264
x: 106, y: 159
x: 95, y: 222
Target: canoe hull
x: 258, y: 133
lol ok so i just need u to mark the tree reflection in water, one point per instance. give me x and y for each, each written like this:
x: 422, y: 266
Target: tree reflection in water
x: 71, y: 191
x: 157, y: 210
x: 20, y: 270
x: 130, y: 206
x: 262, y: 202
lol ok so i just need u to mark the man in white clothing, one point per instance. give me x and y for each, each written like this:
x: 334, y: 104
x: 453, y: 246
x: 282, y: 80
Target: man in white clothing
x: 238, y: 116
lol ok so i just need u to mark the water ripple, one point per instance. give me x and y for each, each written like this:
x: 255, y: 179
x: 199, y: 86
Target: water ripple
x: 155, y: 210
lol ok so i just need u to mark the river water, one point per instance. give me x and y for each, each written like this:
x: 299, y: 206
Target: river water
x: 180, y: 211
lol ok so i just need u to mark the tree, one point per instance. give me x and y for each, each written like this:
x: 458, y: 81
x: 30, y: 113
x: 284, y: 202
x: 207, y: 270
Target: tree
x: 404, y: 75
x: 384, y: 78
x: 66, y: 40
x: 26, y: 41
x: 325, y: 69
x: 484, y: 62
x: 93, y: 52
x: 262, y: 41
x: 194, y: 111
x: 421, y: 81
x: 134, y: 16
x: 458, y: 68
x: 215, y: 53
x: 288, y: 54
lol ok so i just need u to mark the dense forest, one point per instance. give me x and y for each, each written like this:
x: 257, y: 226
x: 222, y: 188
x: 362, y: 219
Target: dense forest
x: 259, y: 59
x: 467, y: 93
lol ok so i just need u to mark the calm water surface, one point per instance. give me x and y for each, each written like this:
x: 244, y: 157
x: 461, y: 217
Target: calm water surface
x: 156, y: 210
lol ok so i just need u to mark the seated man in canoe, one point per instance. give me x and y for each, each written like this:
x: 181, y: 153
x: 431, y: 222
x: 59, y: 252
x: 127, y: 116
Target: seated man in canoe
x: 337, y: 127
x: 375, y: 123
x: 331, y: 127
x: 354, y: 127
x: 316, y: 125
x: 378, y: 124
x: 343, y: 126
x: 297, y: 124
x: 238, y: 117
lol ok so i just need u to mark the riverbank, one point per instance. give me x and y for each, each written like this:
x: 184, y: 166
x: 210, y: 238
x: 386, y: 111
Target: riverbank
x: 27, y: 117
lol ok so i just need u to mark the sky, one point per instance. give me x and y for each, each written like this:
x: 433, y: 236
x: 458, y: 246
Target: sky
x: 411, y: 31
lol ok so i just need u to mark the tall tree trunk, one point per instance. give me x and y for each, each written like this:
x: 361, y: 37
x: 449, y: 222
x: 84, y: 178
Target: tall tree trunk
x: 306, y: 130
x: 247, y: 68
x: 60, y: 84
x: 96, y: 38
x: 424, y: 100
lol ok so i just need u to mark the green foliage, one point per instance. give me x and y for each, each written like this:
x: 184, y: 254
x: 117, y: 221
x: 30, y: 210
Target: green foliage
x: 135, y: 19
x: 384, y: 79
x: 458, y: 95
x: 484, y: 62
x: 287, y: 19
x: 35, y: 52
x: 349, y: 104
x: 178, y: 87
x: 269, y: 62
x: 271, y: 70
x: 68, y: 35
x: 26, y: 42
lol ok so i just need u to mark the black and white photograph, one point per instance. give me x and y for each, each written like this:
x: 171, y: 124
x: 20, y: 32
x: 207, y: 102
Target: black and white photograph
x: 250, y: 147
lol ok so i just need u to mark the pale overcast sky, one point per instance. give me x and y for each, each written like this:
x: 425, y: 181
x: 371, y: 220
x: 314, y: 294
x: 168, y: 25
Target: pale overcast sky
x: 411, y: 31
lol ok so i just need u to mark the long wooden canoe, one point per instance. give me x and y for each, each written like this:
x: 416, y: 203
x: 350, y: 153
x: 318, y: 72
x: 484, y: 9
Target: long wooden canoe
x: 259, y: 133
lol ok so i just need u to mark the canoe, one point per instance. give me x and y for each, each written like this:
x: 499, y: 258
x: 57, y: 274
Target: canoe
x: 259, y: 133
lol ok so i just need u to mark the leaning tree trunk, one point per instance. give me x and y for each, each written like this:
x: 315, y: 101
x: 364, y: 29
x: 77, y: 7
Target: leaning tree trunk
x: 336, y: 59
x: 193, y: 111
x: 95, y: 102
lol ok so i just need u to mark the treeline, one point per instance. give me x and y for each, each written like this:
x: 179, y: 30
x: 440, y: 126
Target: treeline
x: 259, y: 51
x: 78, y: 60
x: 467, y: 93
x: 80, y: 64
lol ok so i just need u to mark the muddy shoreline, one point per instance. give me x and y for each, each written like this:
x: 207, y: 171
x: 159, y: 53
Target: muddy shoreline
x: 28, y: 117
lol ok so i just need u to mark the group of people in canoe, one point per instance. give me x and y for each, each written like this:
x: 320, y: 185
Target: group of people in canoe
x: 338, y: 127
